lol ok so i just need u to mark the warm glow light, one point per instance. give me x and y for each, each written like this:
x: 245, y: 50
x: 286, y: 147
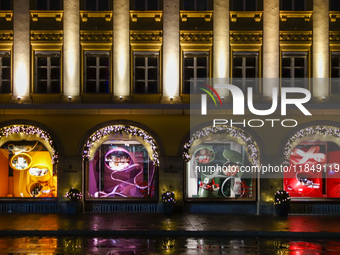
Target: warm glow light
x: 71, y: 48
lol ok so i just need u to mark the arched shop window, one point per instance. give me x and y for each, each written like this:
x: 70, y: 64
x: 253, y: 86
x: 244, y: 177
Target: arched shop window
x: 121, y: 163
x: 28, y: 166
x: 218, y: 164
x: 313, y: 157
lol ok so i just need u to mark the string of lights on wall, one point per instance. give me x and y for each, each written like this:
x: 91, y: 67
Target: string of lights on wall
x: 251, y: 146
x: 129, y: 130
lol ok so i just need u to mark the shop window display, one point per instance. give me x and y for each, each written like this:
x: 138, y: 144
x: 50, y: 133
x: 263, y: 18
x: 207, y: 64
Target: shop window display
x: 314, y: 170
x: 27, y: 170
x: 121, y: 170
x: 215, y: 171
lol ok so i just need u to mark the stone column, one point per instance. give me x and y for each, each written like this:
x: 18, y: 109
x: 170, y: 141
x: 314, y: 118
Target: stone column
x: 121, y: 49
x: 71, y: 50
x: 171, y: 50
x: 21, y: 51
x: 271, y: 45
x: 320, y: 48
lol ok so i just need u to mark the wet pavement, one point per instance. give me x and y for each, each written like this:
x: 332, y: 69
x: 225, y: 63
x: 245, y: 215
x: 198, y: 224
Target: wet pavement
x: 176, y: 225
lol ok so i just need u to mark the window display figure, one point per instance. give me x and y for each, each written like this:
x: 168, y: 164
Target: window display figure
x: 232, y: 186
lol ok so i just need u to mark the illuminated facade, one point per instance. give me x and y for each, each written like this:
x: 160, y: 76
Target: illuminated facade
x: 95, y: 95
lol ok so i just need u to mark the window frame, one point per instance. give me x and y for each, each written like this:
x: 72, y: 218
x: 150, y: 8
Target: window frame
x: 11, y: 5
x: 209, y: 2
x: 244, y: 5
x: 83, y: 5
x: 293, y: 54
x: 335, y: 52
x: 195, y: 55
x: 48, y: 54
x: 293, y: 6
x: 5, y: 53
x: 146, y: 54
x: 34, y: 6
x: 146, y: 3
x: 97, y: 54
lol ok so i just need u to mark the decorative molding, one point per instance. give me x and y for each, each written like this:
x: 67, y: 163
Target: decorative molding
x: 256, y: 15
x: 46, y: 35
x: 135, y: 15
x: 333, y: 15
x: 6, y: 36
x: 206, y: 15
x: 296, y: 36
x: 35, y: 15
x: 245, y: 36
x: 96, y: 36
x: 85, y: 15
x: 8, y: 15
x: 306, y: 15
x: 140, y: 36
x: 196, y: 36
x: 334, y: 36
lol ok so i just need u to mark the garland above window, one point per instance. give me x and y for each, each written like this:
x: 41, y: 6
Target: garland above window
x: 332, y: 132
x: 30, y: 130
x: 252, y: 148
x: 129, y: 130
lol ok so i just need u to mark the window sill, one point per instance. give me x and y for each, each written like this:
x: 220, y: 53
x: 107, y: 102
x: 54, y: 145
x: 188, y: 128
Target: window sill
x: 256, y: 15
x: 135, y: 15
x: 58, y: 15
x: 306, y: 15
x: 8, y: 15
x: 95, y: 14
x: 207, y: 15
x: 333, y: 15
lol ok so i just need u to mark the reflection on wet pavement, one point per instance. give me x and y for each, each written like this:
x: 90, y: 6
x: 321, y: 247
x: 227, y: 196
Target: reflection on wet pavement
x: 125, y: 246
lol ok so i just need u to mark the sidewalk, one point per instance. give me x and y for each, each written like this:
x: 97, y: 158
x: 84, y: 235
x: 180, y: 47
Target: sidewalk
x: 90, y: 224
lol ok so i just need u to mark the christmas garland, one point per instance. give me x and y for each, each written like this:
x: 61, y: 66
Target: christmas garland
x: 313, y: 130
x: 30, y: 130
x: 129, y: 130
x: 251, y: 149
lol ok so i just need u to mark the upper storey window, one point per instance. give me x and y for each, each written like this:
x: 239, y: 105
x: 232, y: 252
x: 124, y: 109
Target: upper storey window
x: 5, y: 72
x: 6, y: 5
x: 334, y: 5
x: 47, y: 5
x: 244, y: 5
x: 293, y: 5
x: 96, y: 5
x: 195, y: 5
x: 145, y: 5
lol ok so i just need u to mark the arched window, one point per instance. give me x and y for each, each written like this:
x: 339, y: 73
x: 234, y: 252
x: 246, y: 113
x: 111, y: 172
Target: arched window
x: 121, y: 163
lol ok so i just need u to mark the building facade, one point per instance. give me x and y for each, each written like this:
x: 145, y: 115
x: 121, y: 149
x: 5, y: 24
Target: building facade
x: 95, y: 95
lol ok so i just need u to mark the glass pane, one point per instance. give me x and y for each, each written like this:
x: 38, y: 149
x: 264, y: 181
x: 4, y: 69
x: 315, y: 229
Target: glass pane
x: 55, y: 61
x: 42, y: 73
x: 104, y: 87
x: 152, y: 87
x: 152, y: 74
x: 55, y: 73
x: 55, y: 87
x: 250, y: 5
x: 103, y: 5
x: 237, y: 61
x: 139, y: 87
x: 152, y: 61
x: 237, y: 5
x: 91, y: 61
x: 286, y: 73
x: 42, y: 87
x: 335, y: 73
x: 6, y: 61
x: 186, y: 88
x: 299, y: 5
x: 250, y: 61
x: 286, y: 62
x: 188, y: 73
x: 6, y: 5
x: 152, y: 5
x: 202, y: 61
x: 140, y: 61
x: 104, y: 61
x: 189, y: 61
x: 91, y: 5
x: 189, y: 5
x: 41, y: 5
x: 6, y: 87
x: 6, y: 73
x: 299, y: 73
x: 140, y: 74
x: 202, y: 73
x: 202, y: 5
x: 55, y: 5
x: 300, y: 62
x: 42, y: 61
x: 335, y: 5
x: 335, y: 62
x: 104, y: 73
x: 286, y: 5
x: 250, y: 73
x: 90, y: 87
x: 140, y: 5
x: 237, y: 73
x: 91, y: 74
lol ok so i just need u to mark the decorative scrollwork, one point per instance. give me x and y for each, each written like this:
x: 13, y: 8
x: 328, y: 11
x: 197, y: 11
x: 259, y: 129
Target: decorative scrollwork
x: 99, y: 37
x: 246, y: 37
x: 196, y: 37
x: 140, y: 36
x: 46, y: 36
x: 296, y: 36
x: 6, y: 36
x: 334, y: 37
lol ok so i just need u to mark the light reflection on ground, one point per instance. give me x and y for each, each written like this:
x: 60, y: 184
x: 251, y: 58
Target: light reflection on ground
x: 130, y: 246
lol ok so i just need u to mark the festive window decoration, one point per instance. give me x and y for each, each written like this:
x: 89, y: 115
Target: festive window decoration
x: 327, y: 131
x: 129, y: 130
x: 73, y: 194
x: 27, y: 130
x: 281, y: 197
x: 251, y: 146
x: 168, y: 197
